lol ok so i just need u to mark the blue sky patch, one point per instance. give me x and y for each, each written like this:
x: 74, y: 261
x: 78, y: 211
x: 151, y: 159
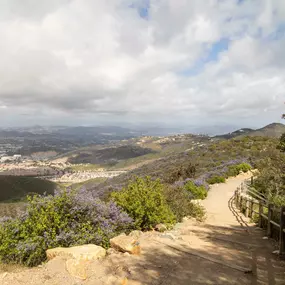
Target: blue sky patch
x: 142, y: 8
x: 211, y: 54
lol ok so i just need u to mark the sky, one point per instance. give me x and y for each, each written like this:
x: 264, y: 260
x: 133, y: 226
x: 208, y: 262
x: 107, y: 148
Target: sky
x: 144, y: 62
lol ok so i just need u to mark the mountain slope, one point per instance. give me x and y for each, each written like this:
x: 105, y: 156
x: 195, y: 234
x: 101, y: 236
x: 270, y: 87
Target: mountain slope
x: 240, y: 132
x: 274, y: 130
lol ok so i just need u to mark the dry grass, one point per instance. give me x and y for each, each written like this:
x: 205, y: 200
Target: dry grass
x: 11, y: 268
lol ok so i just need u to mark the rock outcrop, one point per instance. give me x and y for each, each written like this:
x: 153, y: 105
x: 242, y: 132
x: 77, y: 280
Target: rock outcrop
x: 83, y: 252
x: 124, y: 243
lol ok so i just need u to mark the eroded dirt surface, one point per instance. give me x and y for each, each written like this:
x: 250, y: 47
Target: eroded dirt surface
x: 219, y: 251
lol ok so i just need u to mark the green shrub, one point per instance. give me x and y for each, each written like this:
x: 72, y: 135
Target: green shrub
x: 235, y: 170
x: 278, y: 200
x: 198, y: 212
x: 197, y: 192
x: 180, y: 203
x: 216, y: 179
x: 144, y: 201
x: 67, y: 219
x: 244, y: 167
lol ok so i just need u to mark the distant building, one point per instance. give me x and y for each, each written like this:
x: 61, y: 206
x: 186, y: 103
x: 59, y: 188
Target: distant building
x: 5, y: 159
x: 17, y: 156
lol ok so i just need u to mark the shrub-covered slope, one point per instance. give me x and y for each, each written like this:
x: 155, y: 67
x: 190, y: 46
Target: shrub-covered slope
x: 109, y: 156
x: 18, y: 187
x: 209, y: 159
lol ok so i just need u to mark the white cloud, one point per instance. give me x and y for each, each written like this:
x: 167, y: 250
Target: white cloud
x: 103, y: 61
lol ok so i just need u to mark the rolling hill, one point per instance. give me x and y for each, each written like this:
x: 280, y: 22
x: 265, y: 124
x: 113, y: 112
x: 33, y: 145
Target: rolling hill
x: 109, y: 156
x: 274, y: 130
x: 200, y: 160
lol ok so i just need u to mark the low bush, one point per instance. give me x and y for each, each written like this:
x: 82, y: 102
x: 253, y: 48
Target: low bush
x: 197, y: 192
x: 180, y: 203
x: 66, y: 219
x: 198, y: 212
x: 235, y: 170
x: 244, y: 167
x: 216, y: 179
x: 144, y: 201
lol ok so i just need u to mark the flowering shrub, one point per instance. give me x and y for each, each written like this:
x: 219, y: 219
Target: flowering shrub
x: 144, y: 201
x: 66, y: 219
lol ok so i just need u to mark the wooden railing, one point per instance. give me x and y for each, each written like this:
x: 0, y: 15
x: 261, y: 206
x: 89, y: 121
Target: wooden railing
x: 267, y: 216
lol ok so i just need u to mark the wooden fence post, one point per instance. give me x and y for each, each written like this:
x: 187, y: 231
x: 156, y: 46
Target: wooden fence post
x: 240, y: 203
x: 269, y: 215
x: 247, y: 207
x: 282, y: 234
x: 260, y: 211
x: 250, y: 211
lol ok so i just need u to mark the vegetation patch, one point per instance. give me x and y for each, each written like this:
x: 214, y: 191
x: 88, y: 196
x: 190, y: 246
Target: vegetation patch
x: 181, y: 205
x: 216, y: 179
x: 109, y: 156
x: 144, y: 201
x: 196, y: 192
x: 66, y: 219
x: 14, y: 188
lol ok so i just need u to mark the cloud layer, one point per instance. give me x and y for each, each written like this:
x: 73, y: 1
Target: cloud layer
x: 171, y: 61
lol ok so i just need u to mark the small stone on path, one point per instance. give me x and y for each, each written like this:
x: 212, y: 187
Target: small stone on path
x: 125, y: 243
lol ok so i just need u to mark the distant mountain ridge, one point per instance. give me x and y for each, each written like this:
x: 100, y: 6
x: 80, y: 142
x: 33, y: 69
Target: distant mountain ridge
x: 274, y: 130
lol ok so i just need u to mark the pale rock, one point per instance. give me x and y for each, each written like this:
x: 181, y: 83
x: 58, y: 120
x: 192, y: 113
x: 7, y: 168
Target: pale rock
x: 161, y: 228
x: 169, y: 236
x: 2, y: 276
x: 276, y: 252
x: 265, y: 238
x: 125, y: 243
x: 83, y: 252
x: 111, y: 251
x: 136, y: 234
x: 77, y: 268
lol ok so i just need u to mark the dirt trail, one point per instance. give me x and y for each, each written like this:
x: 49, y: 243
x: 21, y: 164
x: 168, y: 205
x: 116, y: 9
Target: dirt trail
x: 218, y: 251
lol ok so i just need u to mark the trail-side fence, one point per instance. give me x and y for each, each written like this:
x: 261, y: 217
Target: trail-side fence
x: 266, y: 215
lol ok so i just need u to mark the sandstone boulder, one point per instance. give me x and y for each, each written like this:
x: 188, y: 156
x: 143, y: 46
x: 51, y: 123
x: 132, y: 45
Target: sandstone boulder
x: 83, y: 252
x: 125, y: 243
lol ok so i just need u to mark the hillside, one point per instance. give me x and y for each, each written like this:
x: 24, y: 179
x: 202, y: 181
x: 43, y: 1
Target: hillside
x: 13, y: 188
x: 109, y: 156
x: 193, y: 163
x: 240, y: 132
x: 131, y: 153
x: 274, y: 130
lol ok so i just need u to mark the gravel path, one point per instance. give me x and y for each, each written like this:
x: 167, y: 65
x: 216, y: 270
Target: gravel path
x: 218, y: 251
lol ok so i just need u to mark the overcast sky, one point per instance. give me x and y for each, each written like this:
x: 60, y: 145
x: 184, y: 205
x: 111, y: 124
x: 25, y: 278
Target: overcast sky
x: 174, y: 62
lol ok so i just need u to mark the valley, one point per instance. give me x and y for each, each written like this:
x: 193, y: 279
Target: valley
x: 111, y: 164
